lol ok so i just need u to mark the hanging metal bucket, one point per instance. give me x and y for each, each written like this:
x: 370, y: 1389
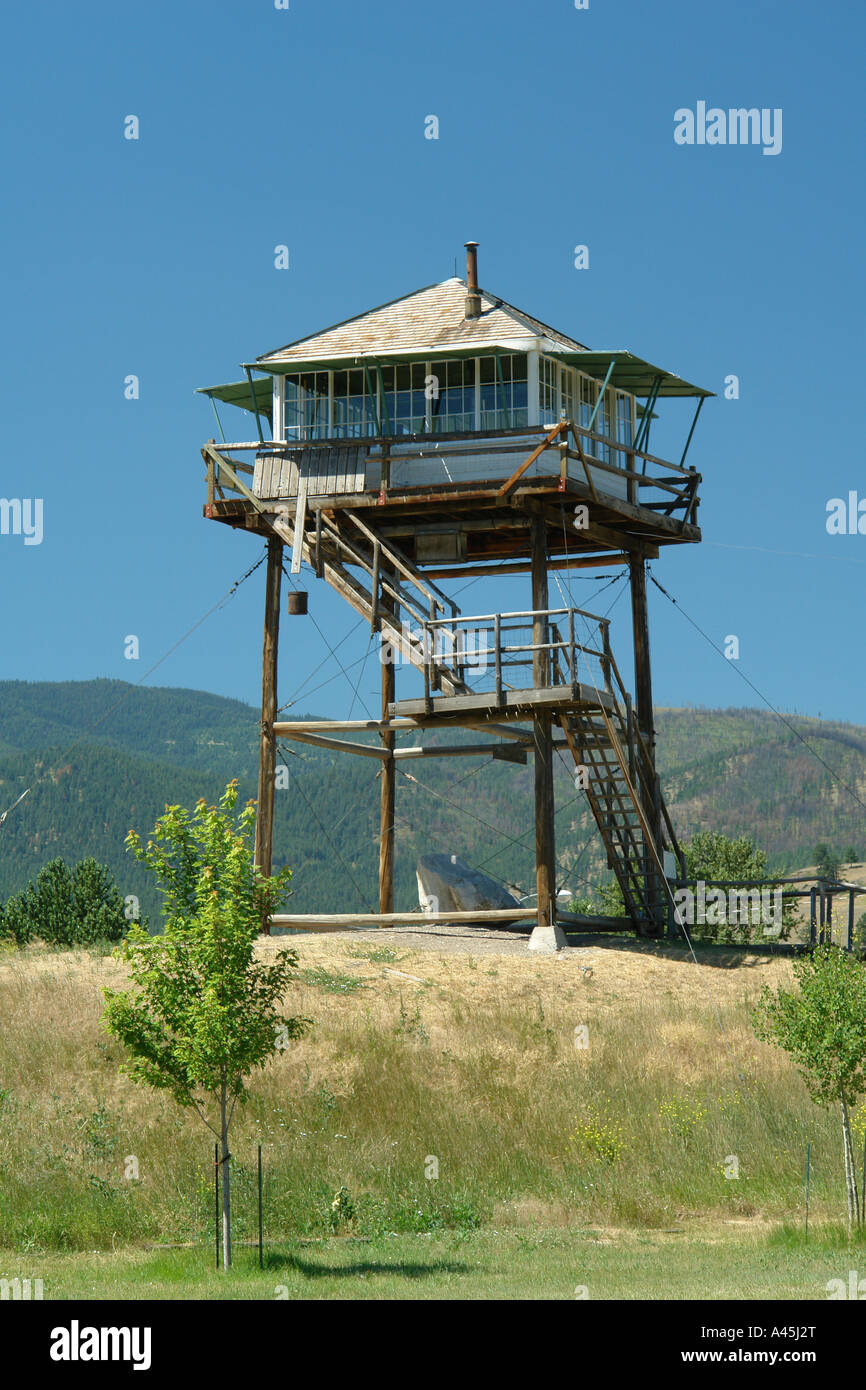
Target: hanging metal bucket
x: 297, y: 602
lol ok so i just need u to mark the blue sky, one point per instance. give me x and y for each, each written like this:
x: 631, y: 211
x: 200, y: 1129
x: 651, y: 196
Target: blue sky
x: 305, y: 126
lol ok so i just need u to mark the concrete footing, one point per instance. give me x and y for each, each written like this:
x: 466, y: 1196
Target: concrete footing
x: 547, y: 940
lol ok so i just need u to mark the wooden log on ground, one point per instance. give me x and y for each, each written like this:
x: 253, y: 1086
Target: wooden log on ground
x: 343, y: 921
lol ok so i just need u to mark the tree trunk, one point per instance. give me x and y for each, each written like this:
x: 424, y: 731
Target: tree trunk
x: 226, y: 1184
x: 850, y: 1168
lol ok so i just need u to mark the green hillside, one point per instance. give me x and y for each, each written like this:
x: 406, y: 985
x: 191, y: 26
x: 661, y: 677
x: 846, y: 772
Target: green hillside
x: 738, y: 771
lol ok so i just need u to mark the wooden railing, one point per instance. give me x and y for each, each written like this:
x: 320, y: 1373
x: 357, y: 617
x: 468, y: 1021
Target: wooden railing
x: 642, y: 760
x: 485, y: 649
x: 670, y: 490
x: 822, y: 923
x: 681, y: 487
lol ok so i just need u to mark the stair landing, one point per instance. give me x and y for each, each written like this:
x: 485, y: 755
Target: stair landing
x: 514, y: 704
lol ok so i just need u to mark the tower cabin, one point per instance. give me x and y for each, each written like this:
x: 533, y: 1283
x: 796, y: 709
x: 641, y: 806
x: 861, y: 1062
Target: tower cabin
x: 448, y: 435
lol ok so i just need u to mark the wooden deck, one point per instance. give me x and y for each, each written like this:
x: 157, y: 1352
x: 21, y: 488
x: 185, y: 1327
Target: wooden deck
x: 478, y: 487
x: 516, y: 704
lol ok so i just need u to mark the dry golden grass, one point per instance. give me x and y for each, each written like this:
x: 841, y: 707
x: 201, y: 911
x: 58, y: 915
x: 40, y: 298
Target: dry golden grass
x: 473, y: 1060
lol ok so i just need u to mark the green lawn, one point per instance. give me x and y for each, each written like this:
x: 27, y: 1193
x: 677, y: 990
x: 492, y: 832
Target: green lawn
x: 486, y: 1264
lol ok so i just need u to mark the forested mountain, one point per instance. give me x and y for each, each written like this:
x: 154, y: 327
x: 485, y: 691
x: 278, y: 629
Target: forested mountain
x: 738, y: 771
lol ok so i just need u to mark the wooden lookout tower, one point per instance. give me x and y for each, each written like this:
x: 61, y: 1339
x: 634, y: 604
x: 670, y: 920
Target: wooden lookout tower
x: 444, y: 435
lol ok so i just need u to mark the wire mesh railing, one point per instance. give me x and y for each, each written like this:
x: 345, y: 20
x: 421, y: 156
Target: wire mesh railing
x: 495, y: 653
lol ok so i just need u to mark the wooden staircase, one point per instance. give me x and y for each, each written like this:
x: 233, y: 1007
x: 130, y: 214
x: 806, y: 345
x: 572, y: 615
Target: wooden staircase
x: 333, y: 542
x: 623, y: 791
x: 624, y: 799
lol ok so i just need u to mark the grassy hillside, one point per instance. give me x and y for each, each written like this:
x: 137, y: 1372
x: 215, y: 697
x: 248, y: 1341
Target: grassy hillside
x: 739, y: 771
x: 466, y: 1058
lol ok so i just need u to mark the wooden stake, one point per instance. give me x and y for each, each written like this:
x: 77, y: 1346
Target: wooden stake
x: 542, y: 731
x: 808, y: 1176
x: 216, y: 1191
x: 261, y: 1223
x: 268, y: 743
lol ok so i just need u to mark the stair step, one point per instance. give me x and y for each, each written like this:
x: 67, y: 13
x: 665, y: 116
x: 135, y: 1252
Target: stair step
x: 614, y: 786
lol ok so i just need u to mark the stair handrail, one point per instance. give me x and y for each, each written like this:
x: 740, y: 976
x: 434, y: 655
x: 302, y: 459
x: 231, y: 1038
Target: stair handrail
x: 401, y: 562
x: 358, y: 558
x: 645, y: 761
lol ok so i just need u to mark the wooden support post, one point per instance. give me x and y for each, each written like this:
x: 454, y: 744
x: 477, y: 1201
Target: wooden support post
x: 545, y: 882
x: 300, y: 523
x: 497, y: 658
x: 433, y: 646
x: 822, y: 914
x: 211, y: 477
x: 605, y: 660
x: 657, y: 879
x: 374, y: 591
x: 540, y: 603
x: 850, y: 941
x: 643, y: 688
x: 542, y: 738
x: 563, y: 460
x: 385, y: 479
x: 320, y: 568
x: 645, y: 720
x: 268, y: 744
x: 388, y: 779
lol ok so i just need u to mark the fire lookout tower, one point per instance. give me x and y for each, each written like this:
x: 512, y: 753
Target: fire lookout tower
x: 445, y: 435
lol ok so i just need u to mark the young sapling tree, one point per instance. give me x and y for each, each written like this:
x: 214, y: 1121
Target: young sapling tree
x: 822, y: 1026
x: 204, y: 1013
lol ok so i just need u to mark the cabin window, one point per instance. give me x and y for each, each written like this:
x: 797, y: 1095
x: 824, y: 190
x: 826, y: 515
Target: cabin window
x: 603, y: 426
x: 353, y: 415
x: 624, y: 424
x: 308, y: 405
x: 589, y: 393
x: 568, y: 392
x: 489, y: 393
x: 503, y: 391
x: 588, y: 398
x: 557, y: 391
x: 454, y: 408
x: 512, y: 390
x: 453, y: 396
x: 404, y: 401
x: 548, y: 391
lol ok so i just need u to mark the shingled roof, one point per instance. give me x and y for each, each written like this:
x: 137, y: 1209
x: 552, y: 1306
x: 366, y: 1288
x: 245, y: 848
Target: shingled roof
x: 433, y: 318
